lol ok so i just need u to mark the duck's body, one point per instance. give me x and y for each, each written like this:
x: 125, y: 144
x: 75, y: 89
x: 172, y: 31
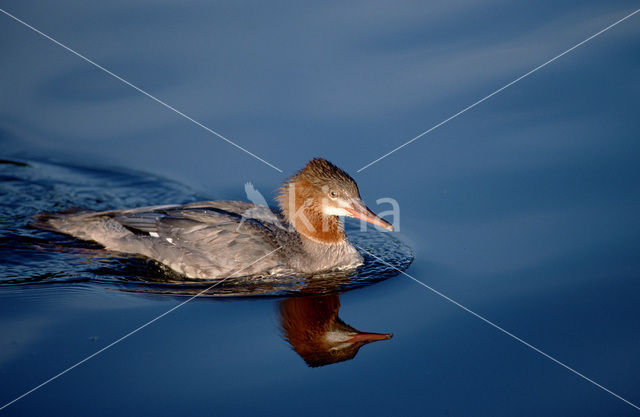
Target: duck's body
x: 215, y: 239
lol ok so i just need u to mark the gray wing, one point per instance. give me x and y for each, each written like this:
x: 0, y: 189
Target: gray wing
x: 200, y: 240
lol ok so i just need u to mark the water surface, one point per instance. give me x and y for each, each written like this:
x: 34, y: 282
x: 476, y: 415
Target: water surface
x: 523, y: 209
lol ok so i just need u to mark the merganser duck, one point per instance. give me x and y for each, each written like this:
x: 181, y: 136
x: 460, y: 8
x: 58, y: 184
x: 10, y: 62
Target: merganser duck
x: 216, y: 239
x: 312, y: 326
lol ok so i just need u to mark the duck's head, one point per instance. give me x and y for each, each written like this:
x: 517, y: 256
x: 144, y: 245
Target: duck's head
x: 314, y: 197
x: 312, y: 326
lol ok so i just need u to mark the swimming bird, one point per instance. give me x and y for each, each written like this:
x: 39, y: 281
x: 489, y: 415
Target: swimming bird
x: 215, y: 239
x: 312, y: 326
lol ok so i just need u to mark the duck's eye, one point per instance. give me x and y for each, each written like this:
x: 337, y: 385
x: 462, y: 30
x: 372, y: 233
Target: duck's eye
x: 333, y: 194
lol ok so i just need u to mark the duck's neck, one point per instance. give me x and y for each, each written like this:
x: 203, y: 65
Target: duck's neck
x: 301, y: 208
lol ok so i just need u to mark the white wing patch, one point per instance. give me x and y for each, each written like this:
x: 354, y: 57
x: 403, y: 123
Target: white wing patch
x: 154, y: 234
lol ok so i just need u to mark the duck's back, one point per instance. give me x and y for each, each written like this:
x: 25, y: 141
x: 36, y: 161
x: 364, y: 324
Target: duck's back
x: 211, y: 239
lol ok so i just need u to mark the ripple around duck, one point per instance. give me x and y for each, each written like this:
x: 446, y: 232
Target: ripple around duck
x: 30, y: 256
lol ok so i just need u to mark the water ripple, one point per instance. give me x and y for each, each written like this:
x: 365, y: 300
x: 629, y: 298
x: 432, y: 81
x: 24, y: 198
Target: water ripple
x: 29, y: 256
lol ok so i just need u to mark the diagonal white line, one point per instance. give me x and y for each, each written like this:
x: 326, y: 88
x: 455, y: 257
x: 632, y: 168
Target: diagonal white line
x: 133, y: 332
x: 500, y: 328
x: 140, y: 90
x: 498, y: 90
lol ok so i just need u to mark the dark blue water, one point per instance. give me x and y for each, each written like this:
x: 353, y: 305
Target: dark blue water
x: 523, y: 209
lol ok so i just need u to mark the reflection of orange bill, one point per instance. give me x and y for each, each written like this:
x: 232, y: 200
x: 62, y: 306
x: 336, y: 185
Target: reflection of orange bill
x: 369, y: 337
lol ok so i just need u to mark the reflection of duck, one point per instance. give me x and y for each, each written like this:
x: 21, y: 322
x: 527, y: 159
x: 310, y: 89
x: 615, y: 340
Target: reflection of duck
x: 316, y: 333
x: 214, y: 239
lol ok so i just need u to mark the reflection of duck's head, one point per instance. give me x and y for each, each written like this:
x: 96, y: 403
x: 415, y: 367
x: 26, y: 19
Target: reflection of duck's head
x: 316, y: 333
x: 313, y: 199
